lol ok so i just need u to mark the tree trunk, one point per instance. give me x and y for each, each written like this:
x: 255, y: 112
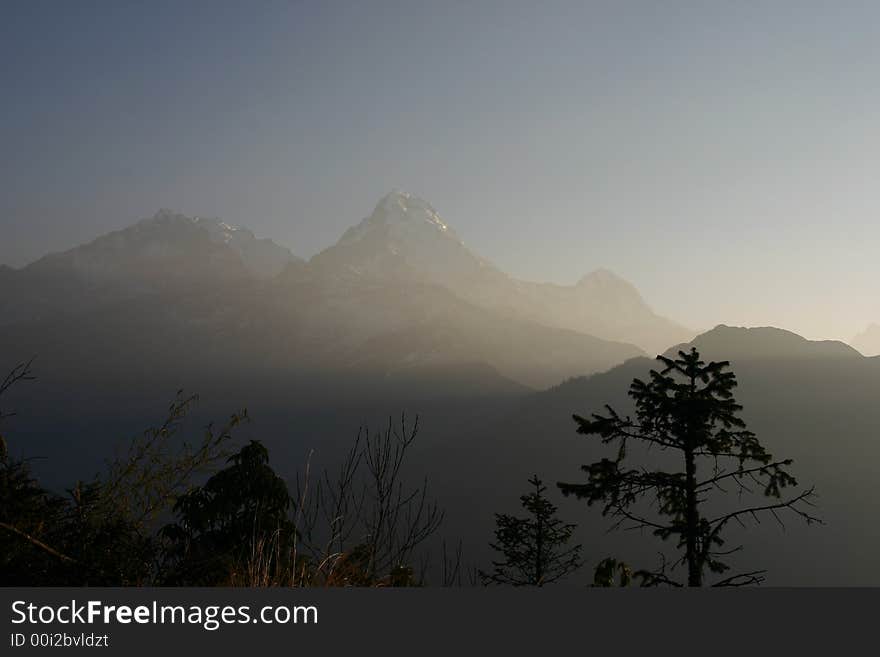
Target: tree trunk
x: 539, y: 569
x: 695, y: 571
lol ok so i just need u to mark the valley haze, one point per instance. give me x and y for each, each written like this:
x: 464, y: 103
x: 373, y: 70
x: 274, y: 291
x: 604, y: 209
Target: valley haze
x: 391, y: 294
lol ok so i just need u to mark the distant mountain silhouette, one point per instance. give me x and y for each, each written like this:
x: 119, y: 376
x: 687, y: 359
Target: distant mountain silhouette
x: 868, y: 341
x: 740, y: 343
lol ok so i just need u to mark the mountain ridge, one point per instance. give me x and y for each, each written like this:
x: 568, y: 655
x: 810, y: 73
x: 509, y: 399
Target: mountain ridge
x: 176, y: 288
x: 763, y: 342
x: 404, y: 240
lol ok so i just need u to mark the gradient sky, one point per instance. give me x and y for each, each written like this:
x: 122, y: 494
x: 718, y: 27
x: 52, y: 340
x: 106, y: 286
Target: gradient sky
x: 723, y: 156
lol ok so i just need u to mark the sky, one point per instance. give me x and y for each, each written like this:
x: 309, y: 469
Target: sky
x: 722, y: 156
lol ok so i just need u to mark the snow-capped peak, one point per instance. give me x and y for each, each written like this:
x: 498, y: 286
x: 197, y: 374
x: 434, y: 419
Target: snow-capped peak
x: 403, y: 214
x: 400, y: 206
x: 217, y: 229
x: 220, y: 231
x: 262, y: 257
x: 403, y: 237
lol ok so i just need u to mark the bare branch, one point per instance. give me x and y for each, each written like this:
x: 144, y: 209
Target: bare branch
x: 37, y: 542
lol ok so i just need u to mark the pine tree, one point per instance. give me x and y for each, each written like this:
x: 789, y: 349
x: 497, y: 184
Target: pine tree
x: 687, y: 410
x: 534, y: 549
x: 218, y: 524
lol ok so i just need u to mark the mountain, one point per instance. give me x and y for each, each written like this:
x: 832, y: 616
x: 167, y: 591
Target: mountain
x: 395, y: 328
x: 868, y: 342
x: 390, y: 326
x: 601, y: 304
x: 165, y: 254
x: 262, y: 257
x: 405, y: 239
x: 398, y: 291
x: 763, y: 343
x: 173, y: 289
x: 171, y: 247
x: 353, y: 336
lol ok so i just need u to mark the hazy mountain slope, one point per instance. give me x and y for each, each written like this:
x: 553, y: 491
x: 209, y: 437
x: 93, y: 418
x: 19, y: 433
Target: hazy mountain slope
x: 868, y: 342
x: 356, y: 329
x: 166, y: 246
x: 390, y: 325
x: 166, y: 254
x: 601, y: 304
x: 404, y: 238
x: 532, y: 353
x: 393, y: 294
x: 739, y: 343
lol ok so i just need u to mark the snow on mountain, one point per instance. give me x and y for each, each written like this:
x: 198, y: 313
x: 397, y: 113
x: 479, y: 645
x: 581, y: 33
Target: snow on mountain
x: 262, y: 257
x: 166, y: 253
x: 168, y: 244
x: 404, y: 215
x: 399, y: 290
x: 404, y: 238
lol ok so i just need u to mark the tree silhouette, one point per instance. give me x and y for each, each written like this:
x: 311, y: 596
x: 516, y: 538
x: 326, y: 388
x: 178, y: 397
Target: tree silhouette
x: 217, y: 523
x: 611, y: 572
x: 76, y: 539
x: 366, y: 524
x: 240, y: 527
x: 19, y: 373
x: 688, y: 410
x: 27, y: 511
x: 534, y: 548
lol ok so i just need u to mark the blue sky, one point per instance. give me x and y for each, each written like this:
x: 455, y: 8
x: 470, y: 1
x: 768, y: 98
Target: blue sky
x: 723, y: 156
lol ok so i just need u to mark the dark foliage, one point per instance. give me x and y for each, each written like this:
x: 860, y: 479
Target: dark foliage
x: 219, y: 523
x: 687, y: 409
x: 534, y: 550
x: 240, y: 527
x: 100, y: 532
x: 611, y: 572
